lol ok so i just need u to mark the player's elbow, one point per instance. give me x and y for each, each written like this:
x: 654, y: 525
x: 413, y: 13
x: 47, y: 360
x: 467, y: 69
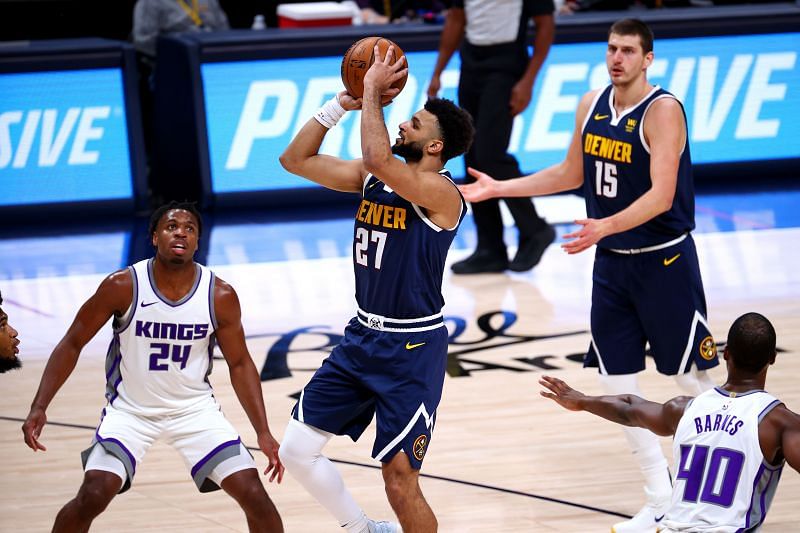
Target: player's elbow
x: 375, y: 162
x: 289, y: 162
x: 664, y: 203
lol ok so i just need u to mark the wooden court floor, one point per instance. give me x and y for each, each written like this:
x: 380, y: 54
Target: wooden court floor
x: 502, y: 459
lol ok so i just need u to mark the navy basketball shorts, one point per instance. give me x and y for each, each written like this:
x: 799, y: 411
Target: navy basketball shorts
x: 395, y: 376
x: 653, y: 298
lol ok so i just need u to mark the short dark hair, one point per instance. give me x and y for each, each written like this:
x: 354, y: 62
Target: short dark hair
x: 634, y: 27
x: 455, y: 125
x: 1, y: 298
x: 191, y: 207
x: 751, y: 342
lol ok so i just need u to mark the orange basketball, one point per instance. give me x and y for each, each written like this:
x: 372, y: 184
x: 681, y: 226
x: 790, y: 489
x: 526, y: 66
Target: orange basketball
x: 359, y: 58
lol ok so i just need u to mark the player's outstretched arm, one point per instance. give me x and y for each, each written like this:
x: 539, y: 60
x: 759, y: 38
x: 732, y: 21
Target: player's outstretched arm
x: 625, y: 409
x: 113, y: 297
x: 790, y: 441
x: 302, y: 156
x: 244, y: 376
x: 779, y: 436
x: 563, y: 176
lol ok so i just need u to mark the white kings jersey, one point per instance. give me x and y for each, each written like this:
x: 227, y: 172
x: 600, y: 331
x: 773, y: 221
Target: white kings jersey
x: 161, y: 354
x: 723, y: 483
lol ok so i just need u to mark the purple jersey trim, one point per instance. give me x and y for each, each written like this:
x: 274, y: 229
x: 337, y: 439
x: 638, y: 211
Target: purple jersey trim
x: 211, y: 312
x: 212, y: 453
x: 185, y: 298
x: 122, y: 447
x: 119, y: 326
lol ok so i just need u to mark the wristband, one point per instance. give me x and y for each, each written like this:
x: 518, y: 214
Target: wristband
x: 330, y: 112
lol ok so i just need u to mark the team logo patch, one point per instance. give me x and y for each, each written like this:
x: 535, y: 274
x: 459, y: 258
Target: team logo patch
x: 708, y: 349
x: 420, y: 443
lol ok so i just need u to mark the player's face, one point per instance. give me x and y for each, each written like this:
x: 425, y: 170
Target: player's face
x: 176, y: 237
x: 9, y: 345
x: 625, y: 59
x: 415, y: 135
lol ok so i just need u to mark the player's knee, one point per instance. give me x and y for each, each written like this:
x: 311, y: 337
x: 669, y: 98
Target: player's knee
x: 252, y: 495
x: 694, y: 382
x: 301, y: 445
x: 93, y: 497
x: 620, y: 384
x: 398, y: 477
x: 292, y: 455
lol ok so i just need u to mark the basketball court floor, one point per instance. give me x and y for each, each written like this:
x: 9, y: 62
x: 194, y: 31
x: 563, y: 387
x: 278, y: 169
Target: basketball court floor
x: 502, y: 459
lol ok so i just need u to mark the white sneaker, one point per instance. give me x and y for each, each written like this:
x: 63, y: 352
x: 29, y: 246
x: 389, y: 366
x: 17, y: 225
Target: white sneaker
x: 648, y: 518
x: 383, y: 527
x: 645, y: 521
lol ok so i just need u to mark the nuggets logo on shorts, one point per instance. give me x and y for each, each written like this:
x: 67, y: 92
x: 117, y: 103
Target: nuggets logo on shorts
x: 420, y: 443
x: 708, y: 349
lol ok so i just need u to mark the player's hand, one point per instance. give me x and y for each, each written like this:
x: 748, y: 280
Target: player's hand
x: 483, y: 188
x: 520, y: 97
x: 348, y: 101
x: 590, y: 234
x: 270, y: 448
x: 32, y: 428
x: 351, y: 103
x: 434, y: 86
x: 384, y: 72
x: 561, y: 393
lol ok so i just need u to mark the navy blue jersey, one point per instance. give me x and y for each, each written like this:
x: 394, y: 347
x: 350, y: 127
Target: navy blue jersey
x: 616, y: 163
x: 398, y: 254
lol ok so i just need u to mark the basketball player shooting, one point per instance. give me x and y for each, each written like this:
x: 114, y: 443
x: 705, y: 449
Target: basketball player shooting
x: 392, y: 358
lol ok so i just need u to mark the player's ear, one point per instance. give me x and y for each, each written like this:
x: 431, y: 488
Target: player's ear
x: 435, y: 147
x: 648, y: 59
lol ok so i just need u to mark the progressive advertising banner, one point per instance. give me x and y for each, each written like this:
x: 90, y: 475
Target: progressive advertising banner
x: 741, y: 95
x: 63, y: 137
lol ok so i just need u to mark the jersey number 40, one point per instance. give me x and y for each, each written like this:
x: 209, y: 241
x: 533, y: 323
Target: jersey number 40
x: 713, y: 477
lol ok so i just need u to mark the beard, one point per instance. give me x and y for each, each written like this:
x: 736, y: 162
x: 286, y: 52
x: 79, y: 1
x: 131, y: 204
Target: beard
x: 411, y: 152
x: 11, y: 363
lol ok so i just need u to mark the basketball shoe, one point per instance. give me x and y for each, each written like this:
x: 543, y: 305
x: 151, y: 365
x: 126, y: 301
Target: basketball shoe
x: 383, y: 527
x: 648, y: 519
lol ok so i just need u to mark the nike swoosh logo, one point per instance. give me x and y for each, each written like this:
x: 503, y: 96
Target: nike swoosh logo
x: 668, y: 262
x: 658, y: 518
x: 598, y: 116
x: 410, y: 346
x: 146, y: 305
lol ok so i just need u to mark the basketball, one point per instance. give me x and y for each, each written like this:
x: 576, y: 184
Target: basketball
x: 359, y: 58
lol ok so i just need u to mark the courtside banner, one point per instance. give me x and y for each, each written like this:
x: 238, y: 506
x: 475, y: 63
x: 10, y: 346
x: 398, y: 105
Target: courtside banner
x: 63, y: 137
x: 741, y: 95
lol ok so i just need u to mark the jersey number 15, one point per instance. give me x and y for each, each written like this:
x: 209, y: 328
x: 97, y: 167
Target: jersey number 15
x: 605, y: 179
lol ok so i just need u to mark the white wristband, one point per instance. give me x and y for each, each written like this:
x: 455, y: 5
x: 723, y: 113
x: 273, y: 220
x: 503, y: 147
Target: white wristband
x: 330, y: 112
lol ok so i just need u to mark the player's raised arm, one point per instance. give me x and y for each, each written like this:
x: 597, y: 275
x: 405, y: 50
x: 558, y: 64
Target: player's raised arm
x: 563, y: 176
x: 302, y: 156
x: 625, y: 409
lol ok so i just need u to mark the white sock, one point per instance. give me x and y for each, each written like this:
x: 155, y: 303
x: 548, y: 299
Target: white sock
x: 301, y: 454
x: 644, y: 444
x: 695, y: 382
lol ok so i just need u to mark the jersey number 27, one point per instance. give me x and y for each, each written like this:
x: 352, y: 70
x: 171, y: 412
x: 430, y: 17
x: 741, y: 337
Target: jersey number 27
x: 363, y: 238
